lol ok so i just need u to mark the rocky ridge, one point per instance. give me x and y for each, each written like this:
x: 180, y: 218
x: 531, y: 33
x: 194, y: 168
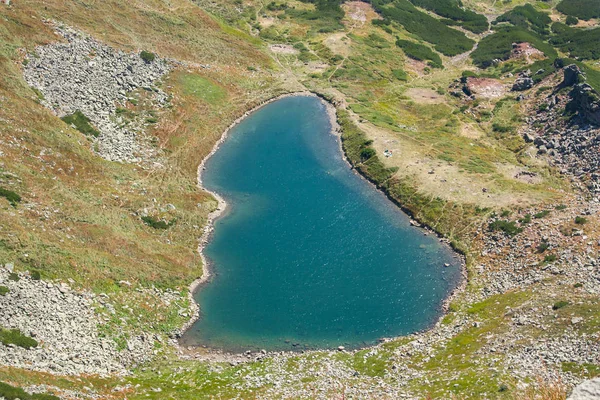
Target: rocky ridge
x: 82, y: 74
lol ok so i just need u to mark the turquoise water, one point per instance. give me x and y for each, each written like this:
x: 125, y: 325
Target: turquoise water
x: 308, y: 254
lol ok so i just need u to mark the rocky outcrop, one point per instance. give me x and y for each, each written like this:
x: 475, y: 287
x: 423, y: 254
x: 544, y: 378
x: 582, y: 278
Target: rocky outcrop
x: 571, y: 75
x: 85, y: 75
x: 523, y: 82
x: 586, y: 102
x: 587, y: 390
x: 65, y: 325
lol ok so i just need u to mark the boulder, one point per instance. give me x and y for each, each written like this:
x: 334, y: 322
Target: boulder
x: 571, y: 75
x: 522, y: 83
x: 587, y: 390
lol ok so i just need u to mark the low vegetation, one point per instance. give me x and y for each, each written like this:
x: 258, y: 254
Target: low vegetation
x: 4, y: 290
x: 157, y: 223
x: 560, y: 304
x: 510, y: 228
x: 9, y: 392
x: 452, y: 10
x: 527, y: 17
x: 12, y: 197
x: 446, y: 40
x: 81, y: 123
x: 584, y: 9
x: 147, y: 56
x: 14, y: 336
x: 419, y: 52
x: 583, y: 44
x: 498, y: 46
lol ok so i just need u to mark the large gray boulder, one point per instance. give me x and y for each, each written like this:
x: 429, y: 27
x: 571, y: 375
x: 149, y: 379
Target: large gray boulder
x: 587, y: 390
x: 522, y: 83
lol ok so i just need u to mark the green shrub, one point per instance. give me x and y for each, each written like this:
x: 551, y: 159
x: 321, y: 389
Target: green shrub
x: 81, y: 123
x: 14, y: 336
x: 580, y: 220
x: 9, y: 392
x: 13, y: 276
x: 526, y: 17
x: 451, y: 9
x: 498, y: 46
x: 571, y: 20
x: 580, y: 43
x: 36, y: 275
x: 157, y: 224
x: 560, y: 304
x: 12, y: 197
x: 541, y: 214
x: 367, y: 153
x: 147, y: 56
x: 584, y: 9
x: 560, y: 207
x: 542, y: 247
x: 418, y: 51
x: 578, y: 285
x: 526, y: 219
x: 550, y: 258
x: 400, y: 74
x: 326, y: 17
x: 446, y: 40
x: 508, y: 227
x: 501, y: 128
x: 4, y: 290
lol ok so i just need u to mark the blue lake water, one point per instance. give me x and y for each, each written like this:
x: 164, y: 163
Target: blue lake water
x: 309, y: 254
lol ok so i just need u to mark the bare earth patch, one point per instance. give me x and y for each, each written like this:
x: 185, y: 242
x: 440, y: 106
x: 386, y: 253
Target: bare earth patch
x: 487, y: 87
x: 360, y: 12
x: 425, y: 96
x: 338, y: 43
x: 283, y: 49
x: 526, y: 51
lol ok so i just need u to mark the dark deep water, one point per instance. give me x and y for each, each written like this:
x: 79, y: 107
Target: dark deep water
x: 309, y: 255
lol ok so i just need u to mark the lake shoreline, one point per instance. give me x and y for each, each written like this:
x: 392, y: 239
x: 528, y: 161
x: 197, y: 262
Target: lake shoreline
x: 203, y: 352
x: 207, y: 272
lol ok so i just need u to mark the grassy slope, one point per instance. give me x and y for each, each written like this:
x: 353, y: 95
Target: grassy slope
x: 71, y: 229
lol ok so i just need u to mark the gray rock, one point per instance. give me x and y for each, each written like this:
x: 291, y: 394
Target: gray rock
x: 587, y: 390
x: 522, y: 83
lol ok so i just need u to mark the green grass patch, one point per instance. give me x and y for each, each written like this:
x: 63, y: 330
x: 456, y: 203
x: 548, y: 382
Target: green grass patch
x: 4, y: 290
x: 418, y: 51
x: 202, y: 88
x: 9, y: 392
x: 12, y: 197
x: 157, y: 223
x: 14, y: 336
x: 541, y: 214
x: 580, y: 220
x: 560, y: 304
x: 81, y: 123
x: 510, y: 228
